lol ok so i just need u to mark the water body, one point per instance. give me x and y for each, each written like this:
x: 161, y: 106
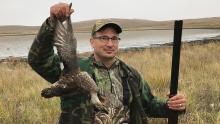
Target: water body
x: 18, y: 46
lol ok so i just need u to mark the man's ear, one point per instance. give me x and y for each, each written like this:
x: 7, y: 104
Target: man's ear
x: 91, y: 42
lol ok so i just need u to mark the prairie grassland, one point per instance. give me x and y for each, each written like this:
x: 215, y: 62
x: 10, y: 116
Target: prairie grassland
x: 20, y: 100
x: 199, y: 78
x: 20, y: 86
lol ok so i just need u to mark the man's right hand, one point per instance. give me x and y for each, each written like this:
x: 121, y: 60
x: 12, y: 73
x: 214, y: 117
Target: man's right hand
x: 60, y: 11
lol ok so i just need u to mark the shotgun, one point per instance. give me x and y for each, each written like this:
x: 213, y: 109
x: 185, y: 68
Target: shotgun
x: 173, y: 115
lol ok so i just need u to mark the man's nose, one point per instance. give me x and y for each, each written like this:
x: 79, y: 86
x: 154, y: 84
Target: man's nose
x: 110, y: 42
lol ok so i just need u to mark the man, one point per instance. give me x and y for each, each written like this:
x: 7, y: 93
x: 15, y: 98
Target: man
x: 121, y: 88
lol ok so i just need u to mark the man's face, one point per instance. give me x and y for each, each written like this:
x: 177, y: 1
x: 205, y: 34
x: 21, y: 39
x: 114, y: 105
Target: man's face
x: 105, y: 44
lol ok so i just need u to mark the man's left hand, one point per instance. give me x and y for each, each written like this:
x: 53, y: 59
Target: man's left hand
x: 177, y: 102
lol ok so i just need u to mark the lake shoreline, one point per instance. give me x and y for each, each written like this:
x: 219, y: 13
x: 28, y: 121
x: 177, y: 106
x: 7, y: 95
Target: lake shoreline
x: 124, y: 50
x: 170, y: 44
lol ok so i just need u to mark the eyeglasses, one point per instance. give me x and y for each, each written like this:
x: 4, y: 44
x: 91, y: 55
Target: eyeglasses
x: 105, y: 39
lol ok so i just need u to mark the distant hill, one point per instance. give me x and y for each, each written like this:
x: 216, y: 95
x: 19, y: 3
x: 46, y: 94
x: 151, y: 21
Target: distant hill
x: 127, y: 24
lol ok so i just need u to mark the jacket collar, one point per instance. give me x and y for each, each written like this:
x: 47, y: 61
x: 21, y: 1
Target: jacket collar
x: 101, y: 65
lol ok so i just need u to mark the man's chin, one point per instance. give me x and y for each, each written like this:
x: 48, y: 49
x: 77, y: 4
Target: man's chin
x: 109, y: 56
x: 110, y: 53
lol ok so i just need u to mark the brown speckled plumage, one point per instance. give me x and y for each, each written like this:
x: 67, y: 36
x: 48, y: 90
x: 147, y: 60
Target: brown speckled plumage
x: 72, y: 80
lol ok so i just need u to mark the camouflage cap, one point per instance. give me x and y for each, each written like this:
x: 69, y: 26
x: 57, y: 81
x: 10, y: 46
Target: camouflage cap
x: 100, y: 24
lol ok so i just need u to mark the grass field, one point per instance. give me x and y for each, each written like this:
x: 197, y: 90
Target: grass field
x: 20, y: 86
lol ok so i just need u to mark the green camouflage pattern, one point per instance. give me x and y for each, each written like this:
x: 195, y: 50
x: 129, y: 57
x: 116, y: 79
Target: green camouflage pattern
x: 111, y: 91
x: 99, y: 24
x: 47, y: 64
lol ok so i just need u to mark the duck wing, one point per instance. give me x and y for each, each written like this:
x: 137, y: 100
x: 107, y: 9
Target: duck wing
x: 66, y: 45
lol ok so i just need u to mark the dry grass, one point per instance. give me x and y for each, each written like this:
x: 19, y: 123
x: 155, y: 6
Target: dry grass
x: 199, y: 78
x: 20, y: 100
x: 20, y: 86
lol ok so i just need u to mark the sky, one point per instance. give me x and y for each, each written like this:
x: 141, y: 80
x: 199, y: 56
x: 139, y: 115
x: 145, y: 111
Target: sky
x: 34, y: 12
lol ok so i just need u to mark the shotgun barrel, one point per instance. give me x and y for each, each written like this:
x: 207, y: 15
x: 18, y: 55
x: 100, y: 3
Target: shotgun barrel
x: 173, y: 116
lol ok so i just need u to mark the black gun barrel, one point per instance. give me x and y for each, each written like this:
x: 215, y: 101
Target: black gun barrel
x: 173, y: 116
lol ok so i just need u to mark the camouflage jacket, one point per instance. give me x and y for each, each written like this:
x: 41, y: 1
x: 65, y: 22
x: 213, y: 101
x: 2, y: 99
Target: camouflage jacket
x: 47, y: 64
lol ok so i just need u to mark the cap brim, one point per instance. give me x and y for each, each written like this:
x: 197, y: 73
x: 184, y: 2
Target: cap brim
x: 113, y: 25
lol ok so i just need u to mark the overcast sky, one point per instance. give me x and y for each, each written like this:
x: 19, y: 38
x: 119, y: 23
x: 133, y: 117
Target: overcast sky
x: 34, y: 12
